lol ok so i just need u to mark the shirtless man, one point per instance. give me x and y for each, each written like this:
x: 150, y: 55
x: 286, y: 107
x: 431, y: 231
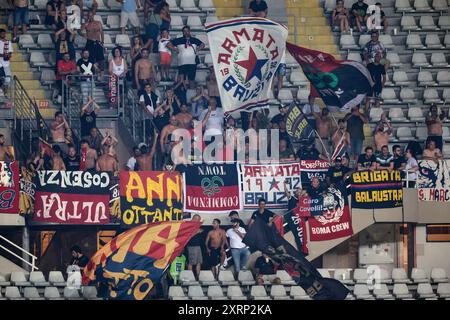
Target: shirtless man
x: 57, y: 160
x: 380, y: 135
x: 337, y: 135
x: 95, y: 38
x: 110, y: 142
x: 431, y: 152
x: 58, y: 129
x: 325, y: 127
x: 164, y: 140
x: 145, y: 159
x: 434, y: 125
x: 211, y: 84
x: 5, y: 155
x: 91, y: 155
x: 106, y: 162
x: 184, y: 118
x: 144, y: 70
x: 21, y: 17
x: 215, y: 243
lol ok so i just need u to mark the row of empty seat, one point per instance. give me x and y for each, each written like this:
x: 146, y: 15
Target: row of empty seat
x: 421, y: 5
x: 426, y: 23
x: 49, y: 293
x: 430, y: 41
x: 34, y: 278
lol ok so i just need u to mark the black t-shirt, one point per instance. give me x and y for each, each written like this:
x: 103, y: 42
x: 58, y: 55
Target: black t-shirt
x: 257, y: 214
x: 376, y: 71
x: 366, y: 163
x: 262, y: 6
x: 196, y: 241
x: 355, y: 127
x: 315, y: 192
x: 360, y: 7
x: 85, y: 66
x: 72, y: 164
x: 264, y: 267
x: 278, y: 118
x: 398, y: 162
x: 292, y: 203
x: 305, y: 154
x: 87, y: 122
x: 337, y: 175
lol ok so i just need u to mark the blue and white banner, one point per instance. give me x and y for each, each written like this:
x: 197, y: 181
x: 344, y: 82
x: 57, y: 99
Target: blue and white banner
x: 246, y: 53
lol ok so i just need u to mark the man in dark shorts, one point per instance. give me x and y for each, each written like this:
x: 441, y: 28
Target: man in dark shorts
x: 187, y: 48
x: 215, y: 243
x: 378, y: 73
x: 194, y: 249
x: 95, y: 39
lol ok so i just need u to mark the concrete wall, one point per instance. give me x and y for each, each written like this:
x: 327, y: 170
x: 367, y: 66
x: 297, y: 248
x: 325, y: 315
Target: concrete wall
x: 431, y: 254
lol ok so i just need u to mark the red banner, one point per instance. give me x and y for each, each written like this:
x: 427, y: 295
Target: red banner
x: 333, y: 224
x: 9, y: 187
x: 72, y: 197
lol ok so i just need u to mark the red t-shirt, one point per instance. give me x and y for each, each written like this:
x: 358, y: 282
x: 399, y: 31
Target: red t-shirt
x: 64, y: 66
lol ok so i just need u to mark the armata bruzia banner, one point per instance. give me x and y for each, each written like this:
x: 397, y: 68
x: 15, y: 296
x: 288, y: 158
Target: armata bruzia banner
x: 150, y: 196
x: 297, y: 125
x: 342, y: 84
x: 246, y: 53
x: 72, y: 197
x: 334, y: 221
x: 9, y: 187
x: 377, y: 189
x: 433, y: 181
x: 212, y: 188
x: 133, y: 262
x: 313, y: 168
x: 267, y: 181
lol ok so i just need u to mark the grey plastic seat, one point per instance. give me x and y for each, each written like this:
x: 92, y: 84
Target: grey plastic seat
x: 413, y: 41
x: 113, y: 21
x: 407, y: 95
x: 44, y: 41
x: 419, y: 276
x: 298, y: 293
x: 388, y: 95
x: 52, y: 293
x: 235, y: 293
x: 177, y: 293
x: 360, y: 275
x: 438, y: 59
x: 285, y: 278
x: 194, y: 22
x: 347, y: 42
x: 176, y: 22
x: 415, y: 114
x: 421, y: 135
x: 226, y: 278
x: 245, y: 277
x: 37, y: 279
x: 206, y: 278
x: 89, y: 293
x: 444, y: 22
x: 216, y: 293
x: 381, y: 291
x: 402, y: 5
x: 37, y: 59
x: 394, y: 59
x: 31, y: 293
x: 427, y: 23
x: 401, y: 291
x: 355, y: 56
x: 13, y: 293
x: 446, y: 95
x: 343, y: 275
x: 259, y: 293
x: 438, y: 274
x: 425, y: 78
x: 419, y: 59
x: 422, y: 5
x: 387, y: 41
x: 303, y: 95
x: 298, y: 78
x: 396, y: 115
x: 443, y: 78
x: 71, y: 294
x: 187, y: 278
x: 196, y: 293
x: 431, y: 95
x: 443, y: 290
x: 408, y: 23
x: 56, y: 278
x: 400, y: 78
x: 47, y: 77
x: 404, y: 134
x: 424, y: 290
x: 432, y: 41
x: 361, y: 291
x: 19, y: 279
x: 173, y: 5
x: 188, y: 5
x: 278, y: 292
x: 399, y: 276
x: 375, y: 114
x: 363, y: 39
x: 3, y: 282
x: 26, y: 41
x: 440, y: 5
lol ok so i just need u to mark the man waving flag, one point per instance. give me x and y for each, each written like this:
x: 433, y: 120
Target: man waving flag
x: 246, y: 53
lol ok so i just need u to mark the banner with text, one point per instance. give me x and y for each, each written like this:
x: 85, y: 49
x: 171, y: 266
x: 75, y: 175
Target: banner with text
x: 433, y: 181
x: 377, y: 189
x: 149, y: 197
x: 267, y: 181
x: 72, y: 197
x: 212, y: 188
x: 9, y: 187
x: 334, y: 222
x: 313, y: 168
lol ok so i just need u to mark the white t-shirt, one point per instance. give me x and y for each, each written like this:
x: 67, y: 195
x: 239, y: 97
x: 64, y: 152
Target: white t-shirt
x: 235, y: 239
x: 2, y: 49
x: 214, y: 125
x: 410, y: 164
x: 131, y: 163
x: 162, y: 46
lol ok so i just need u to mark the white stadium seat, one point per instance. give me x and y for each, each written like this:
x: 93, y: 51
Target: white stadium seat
x: 216, y: 293
x: 396, y: 114
x: 176, y: 22
x: 206, y: 278
x: 206, y: 5
x: 424, y: 290
x: 278, y: 292
x: 415, y: 114
x: 413, y: 41
x: 188, y: 5
x: 18, y: 278
x: 285, y: 278
x: 324, y: 273
x: 31, y: 293
x: 298, y: 293
x: 425, y: 78
x: 444, y: 22
x: 285, y: 95
x: 421, y: 5
x: 187, y: 278
x: 419, y: 276
x: 388, y: 95
x: 394, y: 59
x: 113, y: 21
x: 37, y: 59
x: 360, y: 275
x: 226, y: 278
x: 194, y: 22
x: 56, y: 278
x: 408, y: 23
x: 375, y: 114
x: 443, y: 290
x: 438, y: 59
x: 298, y: 78
x: 363, y: 39
x: 259, y: 293
x: 386, y: 40
x: 440, y: 5
x: 446, y: 95
x: 52, y: 293
x: 427, y: 23
x: 431, y: 96
x: 399, y: 275
x: 123, y: 40
x: 26, y: 41
x: 404, y: 134
x: 196, y: 293
x: 381, y: 291
x: 432, y: 41
x: 37, y: 279
x: 173, y: 5
x: 114, y: 4
x: 245, y: 278
x: 421, y: 134
x: 400, y: 78
x: 13, y: 293
x: 343, y: 275
x: 443, y: 78
x: 361, y: 291
x: 177, y: 293
x: 355, y: 56
x: 235, y: 293
x: 419, y: 59
x: 403, y: 5
x: 303, y: 95
x: 347, y: 42
x: 407, y: 95
x: 400, y: 291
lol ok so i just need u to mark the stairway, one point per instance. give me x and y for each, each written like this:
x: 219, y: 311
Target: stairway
x: 6, y: 266
x: 21, y: 69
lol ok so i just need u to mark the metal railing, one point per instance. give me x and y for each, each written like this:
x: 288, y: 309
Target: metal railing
x: 32, y: 264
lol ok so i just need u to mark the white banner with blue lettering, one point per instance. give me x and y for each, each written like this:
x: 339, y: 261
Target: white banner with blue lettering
x: 246, y: 53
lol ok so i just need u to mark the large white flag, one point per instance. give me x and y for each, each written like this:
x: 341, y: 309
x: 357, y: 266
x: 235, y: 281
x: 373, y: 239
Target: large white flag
x: 246, y: 53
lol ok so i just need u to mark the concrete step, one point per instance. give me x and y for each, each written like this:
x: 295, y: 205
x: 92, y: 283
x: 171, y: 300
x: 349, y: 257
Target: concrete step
x: 31, y: 84
x: 229, y: 12
x: 19, y: 66
x: 308, y: 21
x: 6, y: 266
x: 227, y: 3
x: 303, y: 12
x: 23, y: 75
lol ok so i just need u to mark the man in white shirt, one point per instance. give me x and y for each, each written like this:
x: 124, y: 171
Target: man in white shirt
x: 212, y: 119
x: 131, y: 163
x: 239, y: 250
x: 5, y: 55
